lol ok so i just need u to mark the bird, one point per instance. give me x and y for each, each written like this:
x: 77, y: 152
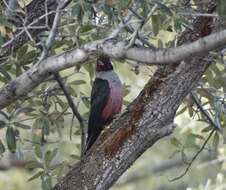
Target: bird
x: 106, y: 99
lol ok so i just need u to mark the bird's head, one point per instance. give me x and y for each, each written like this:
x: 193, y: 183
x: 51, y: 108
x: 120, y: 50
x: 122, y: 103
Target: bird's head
x: 103, y: 63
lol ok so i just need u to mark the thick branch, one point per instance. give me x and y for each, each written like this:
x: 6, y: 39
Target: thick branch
x: 149, y: 118
x: 23, y: 84
x: 34, y: 76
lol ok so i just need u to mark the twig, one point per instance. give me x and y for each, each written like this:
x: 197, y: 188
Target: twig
x: 57, y: 76
x: 22, y: 31
x: 73, y: 108
x: 197, y: 14
x: 136, y: 14
x: 10, y: 7
x: 194, y: 158
x: 204, y: 112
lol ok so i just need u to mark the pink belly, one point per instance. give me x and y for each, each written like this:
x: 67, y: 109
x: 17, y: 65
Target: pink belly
x: 114, y: 103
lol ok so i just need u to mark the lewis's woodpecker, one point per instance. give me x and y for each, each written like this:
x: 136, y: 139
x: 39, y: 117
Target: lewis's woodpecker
x: 106, y: 98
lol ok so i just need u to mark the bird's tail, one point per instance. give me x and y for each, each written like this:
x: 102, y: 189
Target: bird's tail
x: 92, y: 138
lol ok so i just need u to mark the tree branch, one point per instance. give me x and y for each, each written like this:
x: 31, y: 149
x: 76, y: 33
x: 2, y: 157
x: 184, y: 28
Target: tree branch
x: 34, y: 76
x: 149, y: 118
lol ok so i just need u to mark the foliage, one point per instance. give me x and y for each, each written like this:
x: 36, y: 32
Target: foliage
x: 42, y: 121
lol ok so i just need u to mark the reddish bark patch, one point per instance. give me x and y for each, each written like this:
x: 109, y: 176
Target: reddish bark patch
x: 116, y: 140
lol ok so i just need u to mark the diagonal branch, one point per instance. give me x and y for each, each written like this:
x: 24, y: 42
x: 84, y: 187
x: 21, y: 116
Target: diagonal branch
x: 204, y: 112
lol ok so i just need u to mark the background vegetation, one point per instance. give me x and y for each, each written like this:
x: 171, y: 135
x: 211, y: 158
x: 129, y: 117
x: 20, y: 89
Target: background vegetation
x: 39, y: 136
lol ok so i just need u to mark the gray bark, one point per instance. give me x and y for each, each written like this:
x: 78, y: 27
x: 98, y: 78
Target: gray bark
x: 148, y: 119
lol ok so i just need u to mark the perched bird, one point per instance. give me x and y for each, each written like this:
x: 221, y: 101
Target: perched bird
x: 106, y: 98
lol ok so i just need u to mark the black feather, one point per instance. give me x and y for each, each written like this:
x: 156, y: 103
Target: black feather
x: 99, y: 97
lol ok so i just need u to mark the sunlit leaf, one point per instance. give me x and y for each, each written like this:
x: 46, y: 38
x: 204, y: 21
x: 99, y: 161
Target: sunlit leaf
x: 38, y: 151
x: 34, y: 164
x: 21, y: 125
x: 49, y: 155
x: 36, y: 175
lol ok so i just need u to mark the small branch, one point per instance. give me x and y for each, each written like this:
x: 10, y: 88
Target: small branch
x: 10, y: 7
x: 163, y: 166
x: 136, y: 14
x: 57, y: 76
x: 23, y: 30
x: 203, y: 111
x: 194, y: 158
x: 74, y: 110
x: 198, y: 14
x: 52, y: 34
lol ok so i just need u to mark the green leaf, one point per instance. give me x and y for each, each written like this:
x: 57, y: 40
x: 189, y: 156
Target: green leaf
x: 45, y: 125
x: 49, y: 155
x: 46, y: 183
x: 85, y: 101
x: 77, y: 82
x: 4, y: 114
x: 2, y: 147
x: 85, y: 28
x: 181, y: 110
x: 207, y: 129
x: 11, y: 139
x: 5, y: 73
x: 38, y: 151
x: 74, y: 156
x: 62, y: 104
x: 145, y: 8
x: 34, y: 164
x: 221, y: 7
x: 21, y: 125
x: 155, y: 24
x: 190, y: 111
x: 23, y: 110
x: 36, y: 175
x: 21, y: 51
x: 58, y: 169
x: 216, y: 140
x: 90, y: 69
x: 2, y: 124
x: 174, y: 141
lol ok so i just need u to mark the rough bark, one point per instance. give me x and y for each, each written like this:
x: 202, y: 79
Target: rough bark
x: 149, y: 118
